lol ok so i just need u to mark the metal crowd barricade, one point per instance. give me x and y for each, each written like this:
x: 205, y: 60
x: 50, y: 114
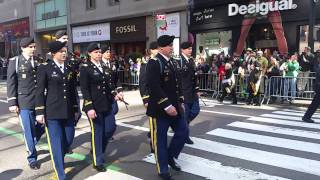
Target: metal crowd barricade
x: 291, y: 88
x: 128, y: 78
x: 209, y: 82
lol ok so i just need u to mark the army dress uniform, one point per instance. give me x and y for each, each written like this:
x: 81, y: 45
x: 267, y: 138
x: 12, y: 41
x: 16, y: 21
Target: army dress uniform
x: 59, y: 106
x: 97, y: 92
x: 164, y: 91
x: 21, y: 92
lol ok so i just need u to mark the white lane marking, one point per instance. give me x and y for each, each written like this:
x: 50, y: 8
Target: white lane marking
x: 224, y: 113
x: 110, y: 174
x: 277, y: 130
x: 280, y: 117
x: 209, y: 169
x: 299, y: 111
x: 284, y: 122
x: 253, y: 155
x: 4, y: 101
x: 299, y: 114
x: 267, y: 140
x: 258, y: 156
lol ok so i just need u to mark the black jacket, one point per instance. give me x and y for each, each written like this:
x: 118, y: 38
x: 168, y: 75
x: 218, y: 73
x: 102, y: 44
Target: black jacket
x: 22, y: 82
x: 144, y: 92
x: 306, y: 65
x: 59, y: 101
x: 189, y: 82
x: 96, y: 88
x: 164, y: 87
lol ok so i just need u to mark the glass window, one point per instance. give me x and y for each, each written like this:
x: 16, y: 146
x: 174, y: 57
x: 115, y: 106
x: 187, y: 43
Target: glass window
x: 114, y: 2
x: 214, y: 42
x: 39, y: 11
x: 61, y: 6
x: 304, y: 37
x: 91, y: 4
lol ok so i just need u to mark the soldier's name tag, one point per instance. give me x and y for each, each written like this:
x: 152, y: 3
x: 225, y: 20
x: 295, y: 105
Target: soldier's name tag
x: 24, y: 76
x: 98, y: 87
x: 95, y: 73
x: 54, y: 74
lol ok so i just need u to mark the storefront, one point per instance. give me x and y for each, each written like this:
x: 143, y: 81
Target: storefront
x: 83, y: 35
x: 128, y: 36
x: 232, y: 26
x: 10, y: 35
x: 50, y: 16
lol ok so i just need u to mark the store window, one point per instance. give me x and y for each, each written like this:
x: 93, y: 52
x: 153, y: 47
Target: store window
x: 91, y: 4
x: 51, y: 14
x: 304, y: 37
x: 214, y: 42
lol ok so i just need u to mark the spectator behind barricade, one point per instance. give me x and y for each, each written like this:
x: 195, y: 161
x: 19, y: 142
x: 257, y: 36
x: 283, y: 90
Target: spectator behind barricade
x: 247, y: 55
x: 214, y: 66
x: 306, y: 61
x: 251, y: 61
x: 263, y: 61
x: 291, y: 68
x: 228, y: 84
x: 267, y: 54
x: 273, y: 74
x: 203, y: 67
x: 221, y: 70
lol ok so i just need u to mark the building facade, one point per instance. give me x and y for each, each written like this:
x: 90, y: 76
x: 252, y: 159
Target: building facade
x: 126, y: 25
x: 15, y: 23
x: 233, y: 25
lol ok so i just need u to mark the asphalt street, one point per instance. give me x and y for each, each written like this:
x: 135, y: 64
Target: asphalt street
x: 232, y: 142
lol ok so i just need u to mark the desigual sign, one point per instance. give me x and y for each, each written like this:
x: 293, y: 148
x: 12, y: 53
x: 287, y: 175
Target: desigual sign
x: 126, y: 29
x: 262, y: 8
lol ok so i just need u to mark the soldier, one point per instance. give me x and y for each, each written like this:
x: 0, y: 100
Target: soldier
x: 98, y: 94
x: 21, y: 85
x: 144, y: 92
x: 56, y: 104
x: 165, y: 108
x: 190, y: 86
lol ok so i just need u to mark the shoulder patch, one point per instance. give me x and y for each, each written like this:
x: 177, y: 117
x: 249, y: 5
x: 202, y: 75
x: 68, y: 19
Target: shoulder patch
x: 44, y: 63
x: 84, y: 65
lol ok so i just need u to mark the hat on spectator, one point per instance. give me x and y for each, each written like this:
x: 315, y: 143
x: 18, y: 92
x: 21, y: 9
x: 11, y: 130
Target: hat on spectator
x: 249, y: 49
x: 185, y: 45
x: 259, y: 52
x: 165, y: 40
x: 105, y: 48
x: 93, y: 46
x: 60, y: 33
x: 309, y: 48
x: 56, y: 46
x: 153, y: 45
x: 26, y: 41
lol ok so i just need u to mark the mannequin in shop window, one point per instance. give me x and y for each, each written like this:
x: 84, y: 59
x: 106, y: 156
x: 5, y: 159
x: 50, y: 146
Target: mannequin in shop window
x: 201, y: 55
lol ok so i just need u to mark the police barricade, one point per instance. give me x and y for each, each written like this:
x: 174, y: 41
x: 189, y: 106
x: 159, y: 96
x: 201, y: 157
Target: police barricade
x: 128, y: 78
x: 290, y: 88
x: 209, y: 82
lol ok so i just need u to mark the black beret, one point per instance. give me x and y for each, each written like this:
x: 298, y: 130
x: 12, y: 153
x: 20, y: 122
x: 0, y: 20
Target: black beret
x: 26, y: 41
x: 153, y: 45
x: 105, y: 48
x: 93, y: 46
x: 60, y: 33
x: 185, y: 45
x: 56, y: 46
x: 165, y: 40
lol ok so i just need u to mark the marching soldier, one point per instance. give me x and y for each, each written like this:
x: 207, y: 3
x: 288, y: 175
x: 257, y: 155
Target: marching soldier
x: 98, y: 94
x: 190, y: 86
x: 144, y: 92
x: 58, y: 107
x: 21, y: 85
x: 165, y: 108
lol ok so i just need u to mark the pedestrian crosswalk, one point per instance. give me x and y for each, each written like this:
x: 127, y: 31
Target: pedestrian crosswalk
x: 278, y: 141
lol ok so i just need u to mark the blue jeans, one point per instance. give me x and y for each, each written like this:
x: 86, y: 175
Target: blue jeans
x: 290, y: 82
x: 60, y: 134
x: 32, y: 132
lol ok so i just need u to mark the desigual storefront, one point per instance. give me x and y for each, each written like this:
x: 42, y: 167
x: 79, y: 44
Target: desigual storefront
x: 231, y: 26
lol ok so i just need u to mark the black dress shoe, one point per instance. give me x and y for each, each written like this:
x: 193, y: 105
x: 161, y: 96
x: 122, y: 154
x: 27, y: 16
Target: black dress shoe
x: 174, y: 165
x: 308, y: 120
x: 189, y: 141
x: 166, y: 176
x: 100, y: 168
x: 34, y: 165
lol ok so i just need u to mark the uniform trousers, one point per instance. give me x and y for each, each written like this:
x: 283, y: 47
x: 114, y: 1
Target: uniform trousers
x: 102, y: 129
x: 313, y: 106
x: 60, y: 134
x: 32, y: 132
x: 159, y: 140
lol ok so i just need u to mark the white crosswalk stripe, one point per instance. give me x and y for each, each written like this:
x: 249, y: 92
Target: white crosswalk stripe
x: 230, y: 143
x: 299, y: 114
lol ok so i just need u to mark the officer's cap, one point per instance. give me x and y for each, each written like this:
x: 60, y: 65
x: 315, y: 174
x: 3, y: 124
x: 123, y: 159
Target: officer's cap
x: 165, y: 40
x: 26, y: 41
x: 185, y: 45
x: 56, y: 46
x: 105, y: 48
x: 60, y: 33
x: 92, y: 47
x: 153, y: 45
